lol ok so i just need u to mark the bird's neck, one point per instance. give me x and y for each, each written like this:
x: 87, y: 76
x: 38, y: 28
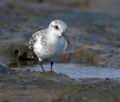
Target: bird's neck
x: 52, y: 37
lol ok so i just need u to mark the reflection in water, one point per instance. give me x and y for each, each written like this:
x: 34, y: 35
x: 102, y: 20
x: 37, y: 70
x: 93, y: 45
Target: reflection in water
x: 77, y: 71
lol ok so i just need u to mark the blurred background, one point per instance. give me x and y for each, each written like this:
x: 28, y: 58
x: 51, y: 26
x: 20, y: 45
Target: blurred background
x: 93, y: 30
x: 88, y: 71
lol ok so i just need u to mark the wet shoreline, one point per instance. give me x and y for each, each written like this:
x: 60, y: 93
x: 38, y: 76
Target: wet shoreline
x: 88, y: 71
x: 52, y: 87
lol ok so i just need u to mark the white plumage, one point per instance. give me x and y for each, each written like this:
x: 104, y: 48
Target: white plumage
x: 49, y: 42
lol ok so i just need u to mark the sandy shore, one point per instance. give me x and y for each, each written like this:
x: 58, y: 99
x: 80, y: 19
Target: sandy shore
x: 52, y: 87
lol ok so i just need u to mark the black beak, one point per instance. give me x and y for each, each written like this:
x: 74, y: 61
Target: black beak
x: 66, y: 38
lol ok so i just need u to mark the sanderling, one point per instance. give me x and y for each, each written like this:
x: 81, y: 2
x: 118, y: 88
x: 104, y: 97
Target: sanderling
x: 49, y: 42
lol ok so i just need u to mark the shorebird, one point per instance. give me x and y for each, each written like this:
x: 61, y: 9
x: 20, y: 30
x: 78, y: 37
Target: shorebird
x: 49, y: 42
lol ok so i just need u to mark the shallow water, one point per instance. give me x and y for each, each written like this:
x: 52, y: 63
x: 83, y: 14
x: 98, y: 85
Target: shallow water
x: 77, y: 71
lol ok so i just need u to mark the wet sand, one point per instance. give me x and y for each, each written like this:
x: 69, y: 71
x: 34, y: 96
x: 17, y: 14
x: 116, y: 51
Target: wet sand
x: 52, y: 87
x: 87, y: 72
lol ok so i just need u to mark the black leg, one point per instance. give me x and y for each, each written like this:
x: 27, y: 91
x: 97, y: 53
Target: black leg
x: 51, y: 65
x: 42, y: 67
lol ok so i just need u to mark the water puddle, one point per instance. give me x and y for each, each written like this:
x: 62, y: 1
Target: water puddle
x: 77, y: 71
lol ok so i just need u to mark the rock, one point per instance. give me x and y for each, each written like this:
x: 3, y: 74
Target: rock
x: 3, y: 69
x: 21, y: 52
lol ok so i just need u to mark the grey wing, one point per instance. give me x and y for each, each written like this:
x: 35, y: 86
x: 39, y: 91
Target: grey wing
x: 33, y: 40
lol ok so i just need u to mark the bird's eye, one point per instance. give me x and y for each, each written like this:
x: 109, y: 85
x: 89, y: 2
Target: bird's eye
x: 56, y: 27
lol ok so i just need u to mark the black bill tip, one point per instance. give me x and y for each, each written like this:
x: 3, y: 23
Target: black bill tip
x: 66, y: 38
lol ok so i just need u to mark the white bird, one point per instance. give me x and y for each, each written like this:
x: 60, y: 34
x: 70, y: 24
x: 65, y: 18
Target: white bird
x: 49, y: 42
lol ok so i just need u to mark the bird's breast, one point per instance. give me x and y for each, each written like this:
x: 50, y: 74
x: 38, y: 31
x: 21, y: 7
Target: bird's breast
x: 52, y: 48
x: 57, y: 46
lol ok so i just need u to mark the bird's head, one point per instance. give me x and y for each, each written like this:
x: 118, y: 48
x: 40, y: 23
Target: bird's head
x: 57, y: 27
